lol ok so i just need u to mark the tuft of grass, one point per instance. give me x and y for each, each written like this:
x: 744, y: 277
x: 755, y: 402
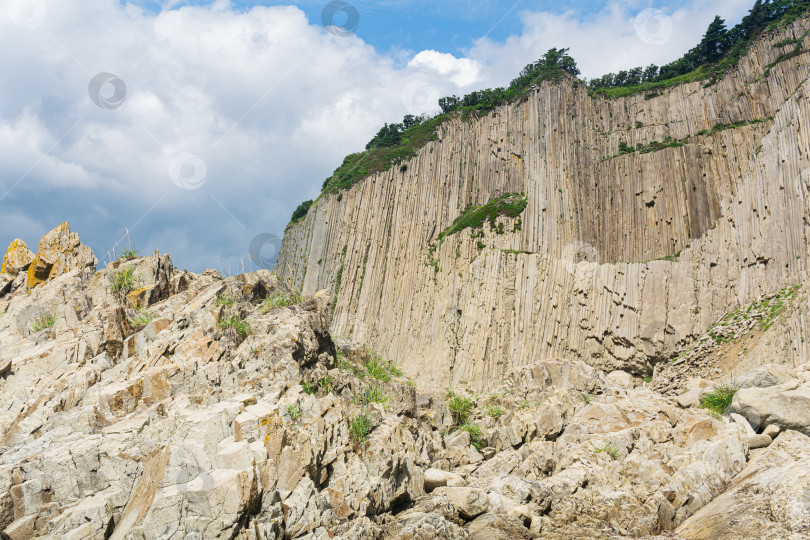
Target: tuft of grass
x: 279, y: 300
x: 460, y: 407
x: 141, y: 318
x: 382, y: 370
x: 237, y: 323
x: 610, y: 448
x: 130, y: 254
x: 294, y: 411
x: 476, y: 435
x: 495, y: 412
x: 360, y: 427
x: 226, y: 300
x: 122, y: 283
x: 41, y: 323
x: 719, y: 400
x: 310, y: 389
x: 375, y: 394
x: 325, y: 383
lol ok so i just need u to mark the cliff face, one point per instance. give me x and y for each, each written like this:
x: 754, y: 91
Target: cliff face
x: 619, y: 259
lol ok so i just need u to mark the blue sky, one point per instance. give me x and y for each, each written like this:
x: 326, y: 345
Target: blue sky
x: 232, y: 113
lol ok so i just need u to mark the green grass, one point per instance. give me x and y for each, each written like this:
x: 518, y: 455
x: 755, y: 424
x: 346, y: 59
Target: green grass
x: 122, y: 283
x: 610, y: 448
x: 495, y: 412
x: 310, y: 389
x: 325, y: 384
x: 375, y: 394
x: 719, y: 400
x: 460, y: 407
x: 382, y: 370
x: 294, y: 411
x: 357, y: 166
x: 130, y: 254
x: 476, y: 435
x: 226, y: 300
x: 360, y: 427
x: 237, y: 323
x: 350, y: 367
x: 141, y: 318
x: 510, y: 205
x: 279, y: 300
x: 41, y: 323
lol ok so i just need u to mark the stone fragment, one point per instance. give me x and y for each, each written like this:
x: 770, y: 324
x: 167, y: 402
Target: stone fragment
x: 468, y: 502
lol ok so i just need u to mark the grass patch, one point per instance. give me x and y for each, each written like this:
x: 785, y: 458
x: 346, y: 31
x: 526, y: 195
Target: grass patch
x: 237, y: 323
x: 310, y: 389
x: 719, y: 400
x: 226, y: 300
x: 476, y: 435
x: 460, y: 407
x: 375, y: 394
x: 122, y: 283
x: 130, y: 254
x: 41, y: 323
x: 610, y: 448
x: 360, y: 427
x: 510, y: 205
x: 141, y: 318
x: 294, y: 411
x: 279, y: 300
x: 495, y: 412
x: 382, y: 370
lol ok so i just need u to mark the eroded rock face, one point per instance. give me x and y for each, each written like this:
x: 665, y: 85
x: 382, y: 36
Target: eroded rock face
x: 17, y: 258
x: 619, y: 260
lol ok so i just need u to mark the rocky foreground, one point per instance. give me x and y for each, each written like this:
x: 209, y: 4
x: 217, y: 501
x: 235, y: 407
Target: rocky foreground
x: 141, y: 401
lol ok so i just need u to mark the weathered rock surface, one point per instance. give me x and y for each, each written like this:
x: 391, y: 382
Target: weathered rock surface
x: 184, y: 427
x: 786, y: 406
x: 583, y: 273
x: 770, y: 499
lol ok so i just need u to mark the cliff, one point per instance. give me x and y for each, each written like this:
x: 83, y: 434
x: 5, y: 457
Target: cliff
x: 626, y: 252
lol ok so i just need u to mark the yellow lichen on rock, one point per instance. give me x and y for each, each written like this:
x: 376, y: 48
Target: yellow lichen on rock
x: 59, y: 252
x: 17, y: 257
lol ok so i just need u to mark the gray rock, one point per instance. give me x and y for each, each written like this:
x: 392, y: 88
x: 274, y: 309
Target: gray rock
x: 759, y: 441
x: 784, y: 406
x: 468, y: 502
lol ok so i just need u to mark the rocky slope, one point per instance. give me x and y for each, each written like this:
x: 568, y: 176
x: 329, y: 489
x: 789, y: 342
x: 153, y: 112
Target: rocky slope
x: 620, y: 259
x: 141, y: 401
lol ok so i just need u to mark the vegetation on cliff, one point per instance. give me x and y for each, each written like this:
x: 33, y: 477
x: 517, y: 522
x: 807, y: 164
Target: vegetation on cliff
x: 719, y: 50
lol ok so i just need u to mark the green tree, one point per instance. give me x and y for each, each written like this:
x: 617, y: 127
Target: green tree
x: 301, y: 211
x: 714, y: 43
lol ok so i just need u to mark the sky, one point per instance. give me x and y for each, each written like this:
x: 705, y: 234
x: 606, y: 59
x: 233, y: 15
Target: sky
x: 196, y: 127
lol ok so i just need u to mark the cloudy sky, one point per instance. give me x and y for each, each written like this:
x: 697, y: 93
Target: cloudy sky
x: 199, y: 126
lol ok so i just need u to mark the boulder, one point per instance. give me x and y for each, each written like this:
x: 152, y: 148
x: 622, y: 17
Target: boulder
x: 468, y: 502
x: 764, y: 376
x: 786, y: 406
x: 16, y: 259
x: 769, y: 499
x: 59, y: 252
x: 435, y: 478
x: 758, y: 441
x: 771, y: 431
x: 497, y: 527
x: 621, y: 379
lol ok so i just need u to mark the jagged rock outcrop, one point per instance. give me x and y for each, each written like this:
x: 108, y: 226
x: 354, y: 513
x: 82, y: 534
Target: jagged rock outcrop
x: 215, y: 408
x: 619, y: 259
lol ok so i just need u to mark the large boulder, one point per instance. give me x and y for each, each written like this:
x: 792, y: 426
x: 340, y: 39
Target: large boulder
x: 787, y: 406
x: 769, y: 499
x: 59, y: 252
x: 16, y: 259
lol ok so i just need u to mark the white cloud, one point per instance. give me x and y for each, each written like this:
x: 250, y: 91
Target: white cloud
x: 270, y: 103
x: 461, y: 71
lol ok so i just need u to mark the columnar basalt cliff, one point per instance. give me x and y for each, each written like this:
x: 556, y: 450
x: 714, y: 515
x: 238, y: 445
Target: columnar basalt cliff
x: 626, y: 252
